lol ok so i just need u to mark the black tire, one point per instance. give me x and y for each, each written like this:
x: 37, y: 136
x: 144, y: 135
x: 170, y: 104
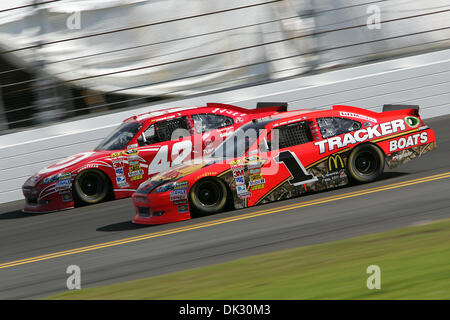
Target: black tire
x: 91, y: 186
x: 208, y: 196
x: 366, y: 163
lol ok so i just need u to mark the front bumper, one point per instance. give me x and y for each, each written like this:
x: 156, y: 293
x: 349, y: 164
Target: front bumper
x: 50, y: 202
x: 158, y: 209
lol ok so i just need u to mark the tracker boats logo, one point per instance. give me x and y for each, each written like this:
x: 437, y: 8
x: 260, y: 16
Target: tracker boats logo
x: 361, y: 135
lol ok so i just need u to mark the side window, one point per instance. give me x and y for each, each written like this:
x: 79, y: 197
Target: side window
x: 293, y: 134
x: 204, y: 122
x: 330, y: 127
x: 162, y: 131
x: 148, y: 137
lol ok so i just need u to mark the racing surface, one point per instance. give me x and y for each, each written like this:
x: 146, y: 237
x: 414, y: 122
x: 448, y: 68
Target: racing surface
x: 36, y: 249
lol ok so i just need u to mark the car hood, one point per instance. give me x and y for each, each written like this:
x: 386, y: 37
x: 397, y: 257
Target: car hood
x: 171, y: 175
x: 66, y: 165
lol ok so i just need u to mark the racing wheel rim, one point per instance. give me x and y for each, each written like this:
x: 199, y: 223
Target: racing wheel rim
x: 208, y: 196
x: 366, y: 163
x: 91, y: 186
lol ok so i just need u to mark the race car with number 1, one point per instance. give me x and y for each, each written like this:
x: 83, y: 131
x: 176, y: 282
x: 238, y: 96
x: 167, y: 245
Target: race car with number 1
x: 285, y: 155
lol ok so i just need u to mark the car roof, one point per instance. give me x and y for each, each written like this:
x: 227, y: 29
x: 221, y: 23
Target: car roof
x: 304, y: 114
x: 182, y: 111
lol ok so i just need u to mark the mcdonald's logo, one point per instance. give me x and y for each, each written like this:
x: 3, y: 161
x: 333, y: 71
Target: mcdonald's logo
x: 335, y: 163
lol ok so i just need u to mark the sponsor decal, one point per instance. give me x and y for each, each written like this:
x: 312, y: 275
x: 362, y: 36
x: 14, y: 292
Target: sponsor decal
x: 183, y: 208
x: 50, y: 179
x: 208, y: 174
x: 130, y: 152
x: 118, y: 165
x: 242, y: 192
x: 335, y: 175
x: 407, y: 142
x: 288, y: 121
x: 182, y: 185
x: 413, y: 122
x: 256, y: 182
x: 240, y: 180
x: 115, y: 155
x: 132, y: 146
x: 121, y: 181
x: 335, y: 163
x: 402, y: 156
x: 177, y: 195
x: 64, y: 181
x: 135, y: 172
x: 66, y: 197
x: 238, y: 171
x: 358, y: 116
x: 361, y: 135
x: 229, y: 112
x: 254, y: 162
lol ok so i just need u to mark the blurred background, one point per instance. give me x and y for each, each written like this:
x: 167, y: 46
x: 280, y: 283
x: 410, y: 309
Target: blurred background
x: 68, y: 59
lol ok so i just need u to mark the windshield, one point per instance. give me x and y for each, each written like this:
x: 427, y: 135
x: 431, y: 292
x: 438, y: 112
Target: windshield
x: 236, y: 145
x: 120, y: 137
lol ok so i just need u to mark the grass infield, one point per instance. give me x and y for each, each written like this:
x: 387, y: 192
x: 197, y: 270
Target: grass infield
x: 414, y: 263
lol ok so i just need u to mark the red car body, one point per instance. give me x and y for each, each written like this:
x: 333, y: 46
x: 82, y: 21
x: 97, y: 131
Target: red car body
x: 138, y: 149
x: 317, y: 150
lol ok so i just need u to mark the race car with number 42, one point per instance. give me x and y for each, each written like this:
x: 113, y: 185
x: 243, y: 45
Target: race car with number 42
x: 139, y: 148
x: 285, y: 155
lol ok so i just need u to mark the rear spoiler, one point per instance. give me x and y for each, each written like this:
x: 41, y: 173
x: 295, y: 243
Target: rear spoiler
x: 281, y: 106
x: 395, y: 107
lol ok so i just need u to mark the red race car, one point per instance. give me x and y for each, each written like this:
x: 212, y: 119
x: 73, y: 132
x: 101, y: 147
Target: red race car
x: 283, y: 156
x: 139, y: 148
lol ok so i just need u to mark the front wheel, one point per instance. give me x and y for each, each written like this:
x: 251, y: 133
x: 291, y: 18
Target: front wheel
x: 366, y: 163
x: 208, y: 196
x: 91, y: 186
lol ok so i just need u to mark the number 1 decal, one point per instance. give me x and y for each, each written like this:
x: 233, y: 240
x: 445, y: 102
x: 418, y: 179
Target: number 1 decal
x: 295, y: 167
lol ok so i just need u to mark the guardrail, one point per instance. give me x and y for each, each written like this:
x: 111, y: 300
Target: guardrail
x: 421, y: 79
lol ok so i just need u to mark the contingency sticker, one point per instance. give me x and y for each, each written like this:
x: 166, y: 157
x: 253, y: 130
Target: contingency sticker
x: 238, y: 170
x: 257, y: 181
x: 118, y: 164
x: 177, y: 195
x: 64, y: 182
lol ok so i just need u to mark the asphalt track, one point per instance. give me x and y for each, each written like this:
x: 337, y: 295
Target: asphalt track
x: 36, y: 249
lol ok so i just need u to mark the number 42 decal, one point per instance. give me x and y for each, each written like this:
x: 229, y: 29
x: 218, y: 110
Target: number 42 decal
x: 295, y: 167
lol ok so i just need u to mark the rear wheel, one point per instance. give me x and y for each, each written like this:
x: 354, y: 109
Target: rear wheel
x: 91, y: 186
x: 366, y: 163
x: 208, y: 196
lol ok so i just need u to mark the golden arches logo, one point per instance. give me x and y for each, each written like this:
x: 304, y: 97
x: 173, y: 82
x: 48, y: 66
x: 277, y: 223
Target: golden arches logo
x: 335, y: 163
